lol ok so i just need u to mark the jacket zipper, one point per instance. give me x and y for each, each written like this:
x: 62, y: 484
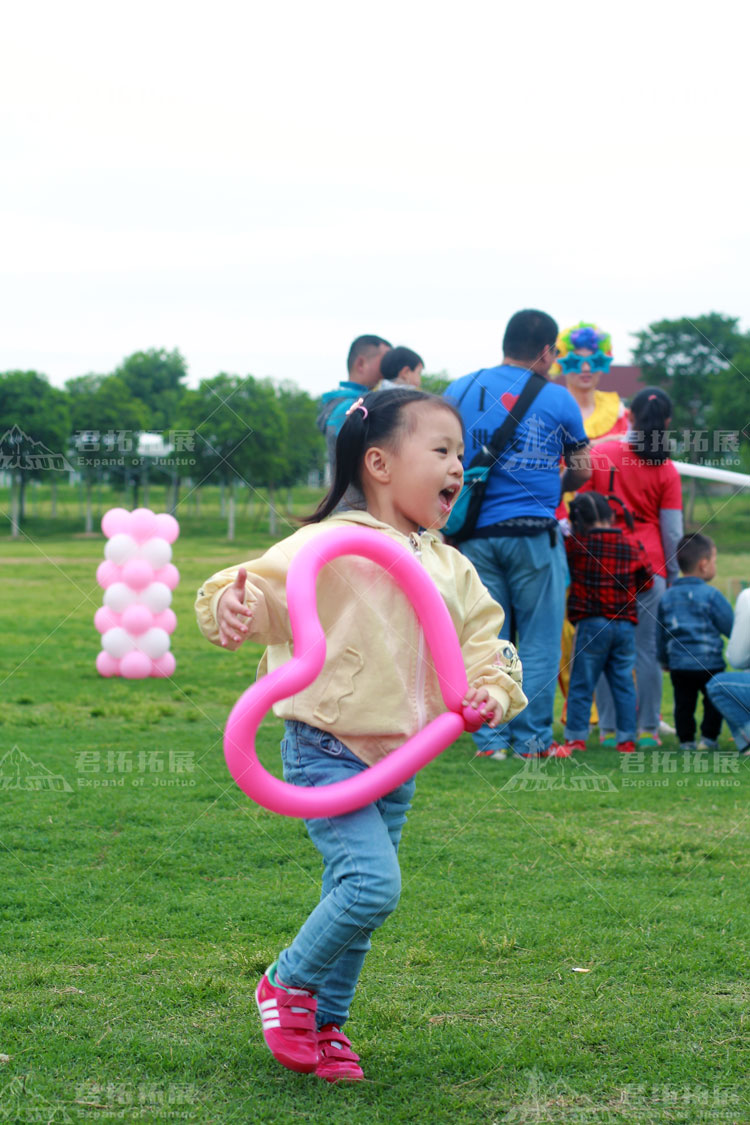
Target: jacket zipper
x: 416, y: 546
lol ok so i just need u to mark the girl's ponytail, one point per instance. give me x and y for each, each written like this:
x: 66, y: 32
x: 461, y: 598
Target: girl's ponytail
x: 652, y: 410
x: 351, y: 444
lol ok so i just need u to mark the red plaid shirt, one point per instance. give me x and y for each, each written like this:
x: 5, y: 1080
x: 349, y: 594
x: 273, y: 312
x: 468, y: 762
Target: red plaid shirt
x: 607, y: 569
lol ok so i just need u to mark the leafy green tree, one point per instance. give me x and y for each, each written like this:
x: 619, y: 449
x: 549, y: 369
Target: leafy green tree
x: 306, y: 449
x: 34, y: 430
x: 156, y: 378
x: 436, y: 383
x: 240, y: 434
x: 729, y: 416
x: 106, y: 421
x: 686, y: 358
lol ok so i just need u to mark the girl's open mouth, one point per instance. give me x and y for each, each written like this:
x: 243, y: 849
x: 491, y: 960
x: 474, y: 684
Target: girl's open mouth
x: 448, y: 495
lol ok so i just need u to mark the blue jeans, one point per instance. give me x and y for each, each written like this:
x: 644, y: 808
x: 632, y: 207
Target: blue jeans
x: 648, y: 670
x: 527, y: 576
x: 602, y: 647
x: 730, y: 693
x: 361, y: 875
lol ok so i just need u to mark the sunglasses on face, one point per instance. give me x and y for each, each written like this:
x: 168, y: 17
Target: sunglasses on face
x: 572, y: 362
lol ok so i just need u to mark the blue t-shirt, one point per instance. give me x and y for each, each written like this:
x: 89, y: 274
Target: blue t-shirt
x: 526, y: 479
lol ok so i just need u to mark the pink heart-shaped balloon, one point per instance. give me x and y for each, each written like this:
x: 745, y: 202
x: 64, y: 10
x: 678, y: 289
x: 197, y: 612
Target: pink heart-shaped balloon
x: 299, y: 672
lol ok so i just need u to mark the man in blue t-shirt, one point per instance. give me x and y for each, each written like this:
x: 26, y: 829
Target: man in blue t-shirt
x: 516, y: 546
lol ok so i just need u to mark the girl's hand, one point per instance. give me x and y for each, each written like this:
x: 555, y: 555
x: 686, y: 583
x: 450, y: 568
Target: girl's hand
x: 232, y: 615
x: 487, y: 707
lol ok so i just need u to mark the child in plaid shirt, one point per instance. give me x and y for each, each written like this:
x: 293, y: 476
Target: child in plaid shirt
x: 607, y: 571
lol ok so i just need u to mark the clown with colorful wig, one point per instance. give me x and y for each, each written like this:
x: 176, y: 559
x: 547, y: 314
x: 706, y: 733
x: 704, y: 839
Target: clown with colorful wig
x: 584, y: 354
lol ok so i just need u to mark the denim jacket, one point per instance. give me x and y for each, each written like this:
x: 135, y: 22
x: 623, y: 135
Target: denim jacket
x: 692, y: 618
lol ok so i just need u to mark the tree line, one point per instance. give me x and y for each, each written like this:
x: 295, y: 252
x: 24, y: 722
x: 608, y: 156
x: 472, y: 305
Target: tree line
x: 235, y: 430
x: 230, y: 431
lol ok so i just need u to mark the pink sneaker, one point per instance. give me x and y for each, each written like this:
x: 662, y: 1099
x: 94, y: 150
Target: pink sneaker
x: 288, y: 1018
x: 338, y: 1063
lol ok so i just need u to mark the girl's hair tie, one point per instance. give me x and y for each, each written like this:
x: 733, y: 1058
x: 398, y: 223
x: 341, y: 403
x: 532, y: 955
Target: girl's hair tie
x: 358, y: 405
x: 651, y: 398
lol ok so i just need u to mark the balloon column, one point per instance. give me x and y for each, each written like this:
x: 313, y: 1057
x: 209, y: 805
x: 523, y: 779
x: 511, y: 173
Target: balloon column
x: 138, y: 577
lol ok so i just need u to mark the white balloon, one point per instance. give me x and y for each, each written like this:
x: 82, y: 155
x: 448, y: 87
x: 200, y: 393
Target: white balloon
x: 156, y: 551
x: 120, y: 548
x: 118, y: 596
x: 157, y: 596
x: 117, y: 642
x: 154, y: 642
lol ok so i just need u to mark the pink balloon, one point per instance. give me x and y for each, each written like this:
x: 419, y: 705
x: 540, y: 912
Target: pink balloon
x: 164, y: 666
x: 108, y: 572
x: 116, y: 522
x: 166, y: 620
x: 138, y: 574
x: 167, y: 527
x: 299, y: 672
x: 168, y: 574
x: 106, y: 665
x: 143, y: 524
x: 135, y: 666
x: 137, y: 619
x: 105, y: 618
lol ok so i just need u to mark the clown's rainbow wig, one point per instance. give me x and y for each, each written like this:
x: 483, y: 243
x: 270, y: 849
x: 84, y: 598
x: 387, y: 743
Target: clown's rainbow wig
x: 585, y: 334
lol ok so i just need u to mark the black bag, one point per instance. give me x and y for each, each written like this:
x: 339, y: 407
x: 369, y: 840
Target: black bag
x: 465, y: 513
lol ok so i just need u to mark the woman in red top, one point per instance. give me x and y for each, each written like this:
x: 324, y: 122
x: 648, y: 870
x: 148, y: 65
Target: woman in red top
x: 640, y: 472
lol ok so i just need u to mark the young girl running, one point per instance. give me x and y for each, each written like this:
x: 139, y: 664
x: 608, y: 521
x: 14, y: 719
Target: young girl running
x: 403, y: 449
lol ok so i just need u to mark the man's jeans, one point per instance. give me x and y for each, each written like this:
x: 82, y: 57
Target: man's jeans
x: 602, y: 647
x: 361, y: 875
x: 648, y: 671
x: 730, y: 693
x: 527, y: 576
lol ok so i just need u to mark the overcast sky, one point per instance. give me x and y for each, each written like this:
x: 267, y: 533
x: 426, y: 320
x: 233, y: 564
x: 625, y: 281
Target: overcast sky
x: 255, y: 184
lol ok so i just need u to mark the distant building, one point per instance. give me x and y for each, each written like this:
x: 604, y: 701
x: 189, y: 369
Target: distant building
x: 625, y: 380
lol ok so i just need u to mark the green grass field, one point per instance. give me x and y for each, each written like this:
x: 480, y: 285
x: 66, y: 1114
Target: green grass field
x: 571, y: 944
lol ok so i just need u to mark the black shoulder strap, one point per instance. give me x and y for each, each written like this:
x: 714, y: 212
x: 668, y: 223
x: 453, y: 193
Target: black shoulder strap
x: 503, y: 434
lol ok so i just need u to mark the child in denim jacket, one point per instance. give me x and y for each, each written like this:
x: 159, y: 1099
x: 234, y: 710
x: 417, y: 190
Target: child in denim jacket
x: 692, y: 618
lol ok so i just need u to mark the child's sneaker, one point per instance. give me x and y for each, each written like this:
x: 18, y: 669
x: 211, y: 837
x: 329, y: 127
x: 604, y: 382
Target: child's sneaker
x: 568, y: 748
x: 607, y: 740
x: 688, y: 746
x: 708, y: 744
x: 338, y: 1063
x: 288, y: 1018
x: 626, y: 747
x: 648, y: 740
